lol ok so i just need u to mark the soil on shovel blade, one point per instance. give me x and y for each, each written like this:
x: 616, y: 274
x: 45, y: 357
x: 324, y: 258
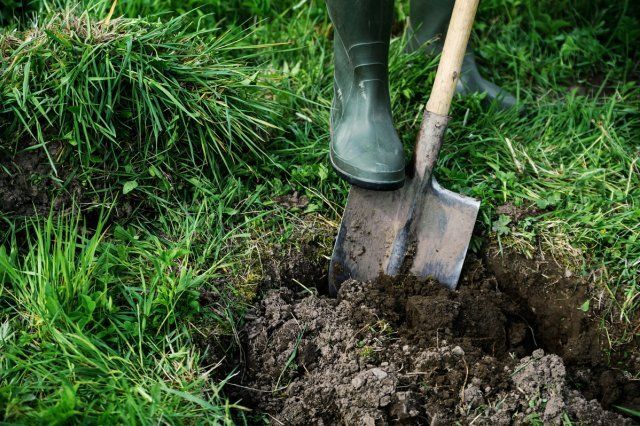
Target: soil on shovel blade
x: 511, y: 346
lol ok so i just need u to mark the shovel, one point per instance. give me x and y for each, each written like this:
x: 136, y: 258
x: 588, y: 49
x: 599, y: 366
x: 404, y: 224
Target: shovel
x: 421, y: 229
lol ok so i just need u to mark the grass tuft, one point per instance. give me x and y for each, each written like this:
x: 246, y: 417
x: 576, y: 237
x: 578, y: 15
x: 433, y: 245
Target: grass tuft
x: 115, y: 91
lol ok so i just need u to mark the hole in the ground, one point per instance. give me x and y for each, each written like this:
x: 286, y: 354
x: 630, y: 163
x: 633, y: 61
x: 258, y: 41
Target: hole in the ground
x: 551, y: 298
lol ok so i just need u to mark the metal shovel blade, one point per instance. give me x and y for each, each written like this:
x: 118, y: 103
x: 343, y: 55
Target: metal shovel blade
x: 377, y: 235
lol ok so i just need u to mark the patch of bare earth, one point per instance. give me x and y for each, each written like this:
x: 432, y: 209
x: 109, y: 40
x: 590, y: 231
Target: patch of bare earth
x: 510, y: 346
x: 29, y: 185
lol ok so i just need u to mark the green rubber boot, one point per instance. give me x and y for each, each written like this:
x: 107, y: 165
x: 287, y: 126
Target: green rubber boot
x: 365, y: 148
x: 429, y: 19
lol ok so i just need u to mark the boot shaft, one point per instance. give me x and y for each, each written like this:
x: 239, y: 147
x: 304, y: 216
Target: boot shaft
x: 362, y: 32
x: 428, y: 20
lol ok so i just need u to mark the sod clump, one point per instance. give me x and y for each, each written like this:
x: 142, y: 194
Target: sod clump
x: 133, y: 102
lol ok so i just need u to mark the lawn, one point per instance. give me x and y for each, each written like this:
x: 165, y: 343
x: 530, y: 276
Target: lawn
x: 157, y: 156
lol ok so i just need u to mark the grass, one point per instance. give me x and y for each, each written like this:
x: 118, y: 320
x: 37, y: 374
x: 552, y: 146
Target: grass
x: 206, y: 118
x: 135, y: 98
x: 97, y: 331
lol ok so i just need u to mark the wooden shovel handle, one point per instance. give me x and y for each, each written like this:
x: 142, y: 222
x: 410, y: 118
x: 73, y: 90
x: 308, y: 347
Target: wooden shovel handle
x: 455, y: 45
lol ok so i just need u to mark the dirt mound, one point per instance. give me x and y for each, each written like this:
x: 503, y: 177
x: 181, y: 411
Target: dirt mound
x: 406, y: 351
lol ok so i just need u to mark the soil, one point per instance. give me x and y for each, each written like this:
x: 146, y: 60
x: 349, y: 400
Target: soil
x: 28, y: 184
x: 510, y: 346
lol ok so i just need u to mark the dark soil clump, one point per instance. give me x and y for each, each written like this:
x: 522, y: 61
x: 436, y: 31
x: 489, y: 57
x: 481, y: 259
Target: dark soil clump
x: 400, y: 350
x: 28, y: 184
